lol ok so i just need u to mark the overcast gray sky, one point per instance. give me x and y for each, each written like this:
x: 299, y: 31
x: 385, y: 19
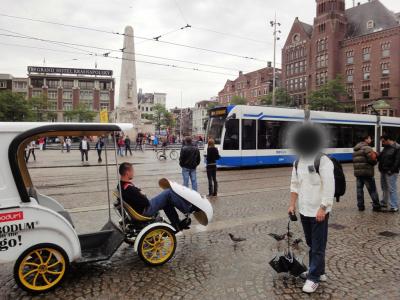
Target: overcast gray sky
x: 150, y: 18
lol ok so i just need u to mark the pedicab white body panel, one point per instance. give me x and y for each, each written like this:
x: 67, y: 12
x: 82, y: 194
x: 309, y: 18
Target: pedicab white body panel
x: 202, y: 203
x: 32, y: 224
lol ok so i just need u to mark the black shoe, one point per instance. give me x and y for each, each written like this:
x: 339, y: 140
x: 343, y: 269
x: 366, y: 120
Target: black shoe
x: 185, y: 224
x: 377, y: 209
x: 215, y: 194
x: 383, y: 205
x: 362, y: 208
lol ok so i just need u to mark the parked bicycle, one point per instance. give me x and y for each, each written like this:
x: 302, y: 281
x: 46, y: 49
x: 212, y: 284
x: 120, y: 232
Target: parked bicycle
x: 162, y: 154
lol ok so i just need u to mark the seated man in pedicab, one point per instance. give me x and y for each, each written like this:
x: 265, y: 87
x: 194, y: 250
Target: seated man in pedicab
x: 167, y: 200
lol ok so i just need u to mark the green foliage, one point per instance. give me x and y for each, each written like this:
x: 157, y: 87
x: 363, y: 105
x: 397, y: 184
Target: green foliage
x: 162, y: 117
x: 237, y: 100
x: 328, y: 95
x: 147, y: 116
x: 282, y: 98
x: 39, y: 107
x: 14, y: 107
x: 169, y: 120
x: 81, y: 114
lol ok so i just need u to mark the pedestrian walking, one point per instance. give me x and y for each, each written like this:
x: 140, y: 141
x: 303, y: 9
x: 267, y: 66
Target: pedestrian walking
x: 212, y: 157
x: 30, y: 149
x: 389, y: 164
x: 99, y: 147
x: 189, y: 160
x: 139, y: 141
x: 68, y: 142
x: 120, y: 145
x: 62, y: 143
x: 155, y: 143
x: 41, y: 143
x: 84, y: 147
x: 128, y: 146
x: 364, y: 161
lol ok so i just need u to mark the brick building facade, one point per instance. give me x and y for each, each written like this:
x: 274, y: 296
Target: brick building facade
x: 251, y: 86
x: 361, y: 44
x: 65, y: 92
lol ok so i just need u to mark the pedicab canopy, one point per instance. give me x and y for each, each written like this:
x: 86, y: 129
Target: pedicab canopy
x: 205, y: 213
x: 15, y: 181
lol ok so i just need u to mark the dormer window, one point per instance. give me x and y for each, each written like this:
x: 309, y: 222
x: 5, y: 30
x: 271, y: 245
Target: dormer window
x: 370, y: 24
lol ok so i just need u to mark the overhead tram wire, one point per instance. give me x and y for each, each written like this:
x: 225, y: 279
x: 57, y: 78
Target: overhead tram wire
x: 136, y: 36
x: 121, y: 58
x: 67, y: 44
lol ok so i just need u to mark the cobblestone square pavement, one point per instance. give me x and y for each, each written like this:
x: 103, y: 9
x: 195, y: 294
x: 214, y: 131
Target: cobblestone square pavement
x: 361, y: 263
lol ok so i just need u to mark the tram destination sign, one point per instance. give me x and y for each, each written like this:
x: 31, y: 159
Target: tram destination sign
x: 70, y: 71
x: 218, y: 112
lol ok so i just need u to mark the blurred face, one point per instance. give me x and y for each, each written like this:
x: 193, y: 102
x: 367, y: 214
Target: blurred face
x: 368, y: 140
x: 384, y: 142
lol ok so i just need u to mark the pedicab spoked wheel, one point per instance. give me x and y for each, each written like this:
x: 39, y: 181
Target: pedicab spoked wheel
x: 157, y: 246
x: 173, y: 155
x: 41, y: 268
x: 161, y: 156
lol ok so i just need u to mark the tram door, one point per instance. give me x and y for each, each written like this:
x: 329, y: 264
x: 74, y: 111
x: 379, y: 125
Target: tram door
x: 249, y: 142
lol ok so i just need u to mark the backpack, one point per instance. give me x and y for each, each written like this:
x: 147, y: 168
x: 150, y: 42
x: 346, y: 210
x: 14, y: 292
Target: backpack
x: 340, y: 179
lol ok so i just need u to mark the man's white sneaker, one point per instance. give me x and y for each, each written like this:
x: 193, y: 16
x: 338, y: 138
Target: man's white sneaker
x: 322, y: 278
x: 310, y: 286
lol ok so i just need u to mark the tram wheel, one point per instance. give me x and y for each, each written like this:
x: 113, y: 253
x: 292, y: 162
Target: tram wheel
x: 41, y: 268
x: 157, y: 246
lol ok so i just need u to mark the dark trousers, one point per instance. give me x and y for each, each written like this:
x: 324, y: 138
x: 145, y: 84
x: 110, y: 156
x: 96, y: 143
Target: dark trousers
x: 316, y: 235
x: 99, y: 155
x: 29, y: 154
x: 369, y: 182
x: 84, y: 153
x: 212, y: 180
x: 128, y: 148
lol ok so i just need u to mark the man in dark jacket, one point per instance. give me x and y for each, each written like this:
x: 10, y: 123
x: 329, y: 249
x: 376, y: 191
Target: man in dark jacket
x: 189, y: 160
x: 364, y: 160
x: 389, y: 164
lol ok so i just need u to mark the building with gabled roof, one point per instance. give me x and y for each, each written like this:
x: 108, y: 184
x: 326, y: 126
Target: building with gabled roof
x: 360, y: 43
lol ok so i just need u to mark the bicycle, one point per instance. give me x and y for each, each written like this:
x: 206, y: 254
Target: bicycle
x: 162, y: 154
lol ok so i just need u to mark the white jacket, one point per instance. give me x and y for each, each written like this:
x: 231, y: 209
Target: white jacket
x: 313, y: 189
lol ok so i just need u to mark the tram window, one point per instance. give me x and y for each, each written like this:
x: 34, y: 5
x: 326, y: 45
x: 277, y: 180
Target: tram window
x: 215, y: 129
x: 248, y: 134
x: 263, y: 142
x: 394, y: 132
x: 231, y: 139
x: 347, y: 136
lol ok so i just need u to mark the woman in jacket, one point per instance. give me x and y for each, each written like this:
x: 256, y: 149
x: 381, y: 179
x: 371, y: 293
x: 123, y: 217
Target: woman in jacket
x: 212, y: 157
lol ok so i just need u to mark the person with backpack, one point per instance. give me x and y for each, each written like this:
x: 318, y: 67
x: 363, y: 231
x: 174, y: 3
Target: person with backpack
x: 389, y: 165
x: 189, y: 160
x: 364, y: 160
x: 312, y: 188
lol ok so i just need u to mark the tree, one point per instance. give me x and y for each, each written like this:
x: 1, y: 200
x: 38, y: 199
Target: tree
x: 148, y: 116
x: 81, y: 114
x: 328, y: 95
x: 13, y: 107
x: 281, y: 96
x: 159, y: 115
x: 238, y: 100
x: 39, y: 107
x: 169, y: 120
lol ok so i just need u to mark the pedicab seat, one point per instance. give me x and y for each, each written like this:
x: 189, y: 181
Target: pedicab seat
x: 131, y: 212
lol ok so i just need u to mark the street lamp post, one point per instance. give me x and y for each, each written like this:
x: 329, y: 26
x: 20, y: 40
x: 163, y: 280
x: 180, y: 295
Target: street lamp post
x: 274, y: 25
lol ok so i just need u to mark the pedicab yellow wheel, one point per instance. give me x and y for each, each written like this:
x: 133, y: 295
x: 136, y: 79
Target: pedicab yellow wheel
x: 157, y: 246
x: 41, y: 268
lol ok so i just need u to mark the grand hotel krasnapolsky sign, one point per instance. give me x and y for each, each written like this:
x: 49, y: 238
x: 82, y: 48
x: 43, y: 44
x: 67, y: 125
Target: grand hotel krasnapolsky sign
x: 70, y: 71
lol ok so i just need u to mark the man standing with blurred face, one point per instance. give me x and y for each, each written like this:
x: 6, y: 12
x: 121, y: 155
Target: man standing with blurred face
x: 312, y: 188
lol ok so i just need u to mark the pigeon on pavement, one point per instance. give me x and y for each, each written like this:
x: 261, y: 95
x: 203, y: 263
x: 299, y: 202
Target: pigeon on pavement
x: 236, y: 239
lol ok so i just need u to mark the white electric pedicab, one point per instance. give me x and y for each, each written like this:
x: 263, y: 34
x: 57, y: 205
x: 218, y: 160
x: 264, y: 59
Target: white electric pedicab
x: 38, y: 234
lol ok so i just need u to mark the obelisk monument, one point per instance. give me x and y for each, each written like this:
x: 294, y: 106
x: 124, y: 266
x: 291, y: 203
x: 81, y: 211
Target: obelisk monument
x: 127, y: 109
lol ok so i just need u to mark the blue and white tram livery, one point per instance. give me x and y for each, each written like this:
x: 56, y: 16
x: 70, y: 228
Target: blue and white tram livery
x: 256, y: 135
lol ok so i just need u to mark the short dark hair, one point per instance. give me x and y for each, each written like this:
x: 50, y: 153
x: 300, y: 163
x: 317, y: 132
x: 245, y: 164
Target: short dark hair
x: 386, y: 137
x: 124, y: 167
x: 188, y: 140
x: 365, y: 136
